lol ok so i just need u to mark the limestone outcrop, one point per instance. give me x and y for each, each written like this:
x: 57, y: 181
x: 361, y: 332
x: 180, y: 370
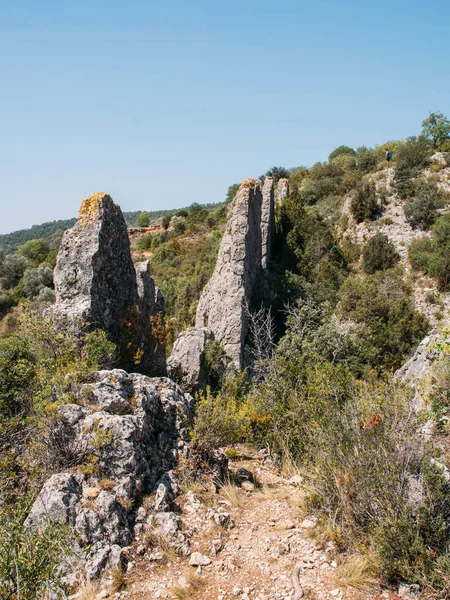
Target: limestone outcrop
x: 126, y: 433
x: 185, y: 363
x: 95, y: 280
x: 222, y: 305
x: 242, y: 262
x: 282, y: 189
x: 267, y: 221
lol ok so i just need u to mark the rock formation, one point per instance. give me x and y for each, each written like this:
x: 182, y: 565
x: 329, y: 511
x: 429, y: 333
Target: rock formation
x: 282, y: 189
x: 95, y: 279
x: 222, y: 305
x: 267, y: 221
x: 185, y: 363
x: 242, y: 260
x: 125, y: 433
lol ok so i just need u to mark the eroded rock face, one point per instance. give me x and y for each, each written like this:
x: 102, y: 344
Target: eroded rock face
x: 127, y: 435
x: 95, y: 279
x: 185, y: 364
x: 267, y: 221
x: 94, y: 275
x: 282, y: 189
x: 222, y: 305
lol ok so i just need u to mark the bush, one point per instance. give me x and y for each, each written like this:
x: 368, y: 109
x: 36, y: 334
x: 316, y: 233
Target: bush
x: 411, y: 157
x: 421, y: 210
x: 341, y: 151
x: 36, y: 280
x: 433, y: 256
x: 17, y: 375
x: 379, y: 254
x: 6, y: 301
x: 313, y: 190
x: 145, y: 243
x: 364, y: 204
x: 345, y: 162
x: 166, y: 221
x: 29, y: 559
x: 220, y: 420
x: 436, y: 128
x: 34, y: 250
x: 143, y: 220
x: 366, y: 159
x: 178, y: 224
x: 12, y: 270
x: 277, y: 173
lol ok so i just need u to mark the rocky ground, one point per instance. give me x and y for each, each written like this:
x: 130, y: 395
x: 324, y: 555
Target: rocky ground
x: 249, y: 552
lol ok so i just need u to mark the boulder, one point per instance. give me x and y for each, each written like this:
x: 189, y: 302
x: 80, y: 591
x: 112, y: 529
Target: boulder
x: 185, y: 364
x: 222, y: 305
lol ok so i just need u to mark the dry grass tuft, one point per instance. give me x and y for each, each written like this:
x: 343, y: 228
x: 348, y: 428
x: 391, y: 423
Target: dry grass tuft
x: 232, y: 494
x: 357, y: 571
x: 269, y: 493
x: 118, y: 580
x: 88, y: 590
x: 194, y: 583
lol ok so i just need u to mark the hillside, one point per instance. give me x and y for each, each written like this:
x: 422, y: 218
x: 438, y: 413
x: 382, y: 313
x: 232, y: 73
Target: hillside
x: 249, y: 400
x: 10, y: 242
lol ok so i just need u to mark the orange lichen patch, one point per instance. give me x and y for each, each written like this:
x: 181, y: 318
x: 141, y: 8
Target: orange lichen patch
x: 249, y: 182
x: 89, y: 208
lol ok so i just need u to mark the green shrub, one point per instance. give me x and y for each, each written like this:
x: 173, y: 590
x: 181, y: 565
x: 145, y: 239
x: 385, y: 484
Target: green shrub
x: 366, y: 159
x: 436, y: 128
x: 364, y: 204
x: 379, y: 254
x: 178, y: 224
x: 34, y: 250
x: 421, y: 210
x: 143, y: 220
x: 37, y: 279
x: 17, y: 375
x: 433, y: 256
x: 6, y: 301
x: 29, y: 559
x: 345, y: 162
x: 166, y: 221
x: 12, y: 270
x: 220, y: 420
x: 144, y: 243
x: 277, y: 173
x: 411, y: 157
x: 341, y: 151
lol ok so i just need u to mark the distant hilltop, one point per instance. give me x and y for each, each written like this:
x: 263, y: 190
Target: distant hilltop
x: 11, y: 241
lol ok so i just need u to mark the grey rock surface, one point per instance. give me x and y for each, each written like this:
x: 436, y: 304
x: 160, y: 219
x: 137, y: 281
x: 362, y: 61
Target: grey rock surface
x: 267, y: 221
x: 94, y: 275
x: 131, y: 424
x: 185, y: 364
x: 282, y: 189
x: 95, y: 280
x: 222, y: 305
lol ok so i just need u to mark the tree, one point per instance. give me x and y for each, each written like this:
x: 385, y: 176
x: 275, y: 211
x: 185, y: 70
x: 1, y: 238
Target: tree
x: 364, y: 204
x: 231, y: 192
x: 35, y: 250
x: 379, y: 254
x: 341, y: 151
x: 277, y: 173
x: 143, y: 219
x: 166, y: 221
x: 35, y: 280
x: 437, y: 129
x: 12, y: 270
x: 421, y: 211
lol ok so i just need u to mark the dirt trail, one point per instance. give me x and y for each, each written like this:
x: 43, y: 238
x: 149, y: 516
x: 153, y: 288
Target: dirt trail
x: 254, y: 559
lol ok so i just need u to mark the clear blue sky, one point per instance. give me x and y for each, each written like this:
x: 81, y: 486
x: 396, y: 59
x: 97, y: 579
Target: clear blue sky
x: 162, y: 104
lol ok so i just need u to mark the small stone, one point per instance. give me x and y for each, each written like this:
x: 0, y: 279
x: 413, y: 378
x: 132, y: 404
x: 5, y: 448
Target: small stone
x: 248, y: 486
x: 140, y: 550
x: 335, y: 592
x: 309, y: 523
x: 199, y: 560
x: 408, y: 590
x: 334, y: 564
